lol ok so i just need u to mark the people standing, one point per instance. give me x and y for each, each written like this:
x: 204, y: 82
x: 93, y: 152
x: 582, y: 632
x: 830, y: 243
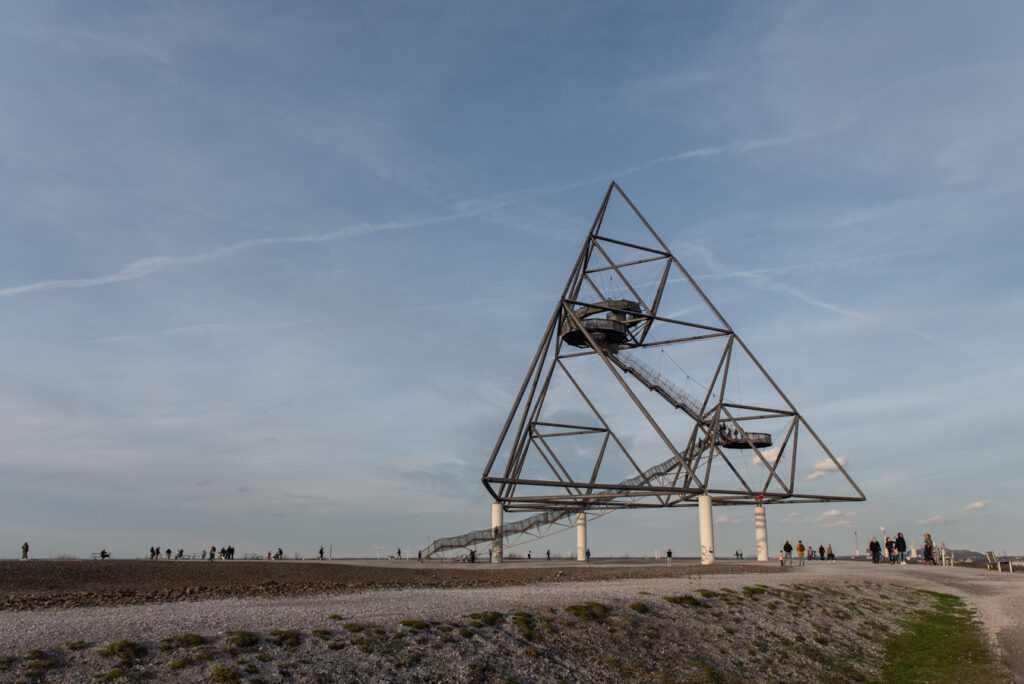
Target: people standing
x: 876, y: 550
x: 890, y: 550
x: 213, y: 552
x: 24, y: 551
x: 831, y: 556
x: 788, y: 548
x: 321, y: 552
x: 668, y: 554
x: 800, y: 548
x: 782, y: 558
x: 821, y: 552
x: 588, y: 555
x: 901, y: 548
x: 548, y: 554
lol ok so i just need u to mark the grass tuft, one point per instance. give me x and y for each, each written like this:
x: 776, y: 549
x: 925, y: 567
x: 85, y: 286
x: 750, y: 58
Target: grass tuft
x: 591, y: 610
x: 415, y: 624
x: 284, y: 637
x: 242, y: 638
x: 223, y: 673
x: 125, y: 651
x: 640, y: 607
x: 683, y: 600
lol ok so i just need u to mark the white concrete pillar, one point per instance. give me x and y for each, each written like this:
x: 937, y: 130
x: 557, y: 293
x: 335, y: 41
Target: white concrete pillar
x: 497, y: 540
x: 760, y: 533
x: 707, y: 533
x: 581, y: 536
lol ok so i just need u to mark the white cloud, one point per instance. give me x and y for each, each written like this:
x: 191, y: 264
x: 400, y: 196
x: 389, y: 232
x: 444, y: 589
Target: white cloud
x: 833, y: 518
x: 726, y: 519
x: 824, y: 467
x: 938, y: 519
x: 977, y: 505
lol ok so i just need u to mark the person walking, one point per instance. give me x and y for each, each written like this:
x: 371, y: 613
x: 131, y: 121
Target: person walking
x: 800, y: 548
x: 901, y: 548
x: 821, y: 552
x: 890, y: 551
x: 788, y: 548
x: 321, y: 552
x: 876, y: 550
x: 588, y: 555
x: 831, y: 556
x: 24, y: 551
x: 929, y: 550
x: 782, y: 558
x: 668, y: 555
x: 213, y: 552
x: 548, y: 553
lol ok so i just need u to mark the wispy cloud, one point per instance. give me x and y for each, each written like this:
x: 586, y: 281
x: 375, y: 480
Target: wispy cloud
x: 825, y: 466
x: 938, y: 519
x: 977, y: 505
x: 150, y: 265
x: 833, y: 518
x: 141, y: 268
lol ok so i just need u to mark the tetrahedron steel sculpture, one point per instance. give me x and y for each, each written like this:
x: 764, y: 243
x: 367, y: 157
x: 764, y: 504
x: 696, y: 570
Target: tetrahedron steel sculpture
x: 641, y: 395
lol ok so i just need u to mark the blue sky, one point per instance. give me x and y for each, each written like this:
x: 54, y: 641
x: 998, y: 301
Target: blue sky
x: 271, y: 274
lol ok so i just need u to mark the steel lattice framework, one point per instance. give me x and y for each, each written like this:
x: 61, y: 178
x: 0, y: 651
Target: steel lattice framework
x: 597, y: 426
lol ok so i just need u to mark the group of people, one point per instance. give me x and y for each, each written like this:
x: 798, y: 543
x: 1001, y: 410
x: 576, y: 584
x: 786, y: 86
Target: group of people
x: 225, y: 553
x: 805, y: 552
x: 895, y: 549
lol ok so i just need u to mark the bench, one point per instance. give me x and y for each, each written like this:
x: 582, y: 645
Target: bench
x: 996, y: 564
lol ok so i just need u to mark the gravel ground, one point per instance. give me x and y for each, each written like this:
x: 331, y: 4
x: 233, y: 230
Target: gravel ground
x: 820, y: 621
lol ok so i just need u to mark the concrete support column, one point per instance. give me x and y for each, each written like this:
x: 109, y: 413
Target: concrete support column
x: 497, y: 540
x: 581, y: 536
x: 707, y: 533
x: 760, y: 533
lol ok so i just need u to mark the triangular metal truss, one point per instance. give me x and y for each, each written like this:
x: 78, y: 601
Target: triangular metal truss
x: 628, y: 301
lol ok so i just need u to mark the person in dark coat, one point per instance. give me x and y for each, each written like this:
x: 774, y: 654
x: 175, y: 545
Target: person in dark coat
x: 876, y: 550
x: 901, y: 548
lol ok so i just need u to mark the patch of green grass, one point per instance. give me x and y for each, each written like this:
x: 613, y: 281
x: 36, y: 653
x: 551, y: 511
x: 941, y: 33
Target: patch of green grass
x: 263, y: 657
x: 707, y: 593
x: 124, y: 650
x: 179, y: 664
x: 250, y: 668
x: 284, y: 637
x: 7, y: 662
x: 683, y: 600
x: 242, y: 638
x: 523, y: 622
x: 223, y: 673
x: 591, y: 610
x: 943, y: 644
x: 116, y: 673
x: 354, y: 628
x: 489, y: 617
x: 640, y: 607
x: 181, y: 641
x: 463, y: 632
x: 76, y: 645
x: 335, y: 616
x: 752, y: 591
x: 324, y: 634
x: 415, y: 624
x: 336, y: 645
